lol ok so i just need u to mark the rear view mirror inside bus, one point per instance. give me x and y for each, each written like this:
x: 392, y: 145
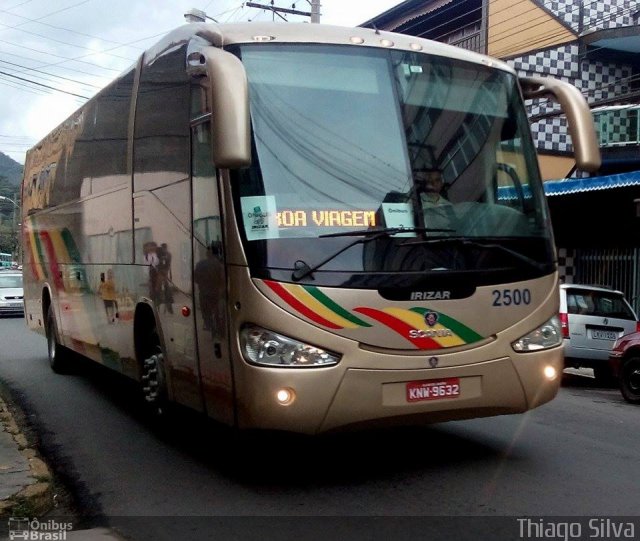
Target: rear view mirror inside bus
x: 230, y: 109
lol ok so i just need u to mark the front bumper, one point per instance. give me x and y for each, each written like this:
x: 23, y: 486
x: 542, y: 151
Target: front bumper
x: 334, y: 398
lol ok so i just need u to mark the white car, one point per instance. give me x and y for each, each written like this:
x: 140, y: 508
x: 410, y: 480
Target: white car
x: 11, y: 293
x: 592, y: 319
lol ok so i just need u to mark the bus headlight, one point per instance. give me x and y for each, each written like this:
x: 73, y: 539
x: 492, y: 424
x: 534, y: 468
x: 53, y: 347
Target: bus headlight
x: 267, y: 348
x: 544, y: 337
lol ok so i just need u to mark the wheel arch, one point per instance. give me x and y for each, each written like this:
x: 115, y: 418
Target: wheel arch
x: 633, y: 351
x: 46, y: 300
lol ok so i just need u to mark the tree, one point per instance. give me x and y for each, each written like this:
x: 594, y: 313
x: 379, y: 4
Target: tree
x: 9, y: 217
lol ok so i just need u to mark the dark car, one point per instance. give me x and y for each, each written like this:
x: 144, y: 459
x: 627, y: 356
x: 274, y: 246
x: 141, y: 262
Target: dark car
x: 624, y: 361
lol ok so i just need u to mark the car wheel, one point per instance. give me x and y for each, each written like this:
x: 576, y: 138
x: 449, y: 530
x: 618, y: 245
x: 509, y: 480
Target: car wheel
x: 630, y: 380
x: 58, y: 354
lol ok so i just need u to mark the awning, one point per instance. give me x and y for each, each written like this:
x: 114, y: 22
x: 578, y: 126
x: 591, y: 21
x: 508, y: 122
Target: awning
x: 575, y: 185
x: 619, y: 38
x: 591, y: 184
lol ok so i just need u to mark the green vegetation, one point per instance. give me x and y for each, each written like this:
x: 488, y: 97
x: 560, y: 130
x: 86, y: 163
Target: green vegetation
x: 9, y: 217
x: 11, y: 170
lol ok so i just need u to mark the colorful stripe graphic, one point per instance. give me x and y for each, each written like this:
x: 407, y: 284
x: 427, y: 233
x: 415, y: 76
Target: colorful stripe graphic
x: 37, y: 256
x: 416, y: 320
x: 408, y: 323
x: 297, y: 305
x: 312, y: 303
x: 465, y: 333
x: 401, y: 327
x: 51, y: 256
x: 29, y: 248
x: 332, y: 305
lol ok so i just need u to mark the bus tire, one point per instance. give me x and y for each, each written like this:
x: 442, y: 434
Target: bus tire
x: 59, y: 356
x: 630, y: 380
x: 154, y: 383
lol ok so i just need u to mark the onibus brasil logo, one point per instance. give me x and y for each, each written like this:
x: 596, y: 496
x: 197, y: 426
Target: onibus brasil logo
x: 38, y: 530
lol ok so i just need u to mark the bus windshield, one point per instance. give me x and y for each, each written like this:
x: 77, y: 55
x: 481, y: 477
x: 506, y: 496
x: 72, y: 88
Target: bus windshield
x: 351, y: 141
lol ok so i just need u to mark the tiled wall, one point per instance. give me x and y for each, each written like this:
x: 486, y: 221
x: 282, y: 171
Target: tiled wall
x: 596, y: 79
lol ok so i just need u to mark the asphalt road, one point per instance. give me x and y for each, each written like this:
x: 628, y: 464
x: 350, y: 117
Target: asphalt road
x: 577, y: 456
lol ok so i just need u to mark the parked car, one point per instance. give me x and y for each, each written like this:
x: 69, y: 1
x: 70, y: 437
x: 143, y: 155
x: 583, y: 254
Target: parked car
x: 624, y: 361
x: 592, y: 319
x: 11, y: 293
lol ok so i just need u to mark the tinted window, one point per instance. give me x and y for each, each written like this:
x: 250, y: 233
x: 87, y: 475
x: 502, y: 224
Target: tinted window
x: 162, y: 122
x: 598, y: 303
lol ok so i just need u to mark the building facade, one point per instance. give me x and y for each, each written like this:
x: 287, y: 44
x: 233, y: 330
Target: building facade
x: 595, y: 46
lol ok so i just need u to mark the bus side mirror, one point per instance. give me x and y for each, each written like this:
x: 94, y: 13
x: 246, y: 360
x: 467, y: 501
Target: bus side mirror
x: 580, y: 121
x: 230, y: 131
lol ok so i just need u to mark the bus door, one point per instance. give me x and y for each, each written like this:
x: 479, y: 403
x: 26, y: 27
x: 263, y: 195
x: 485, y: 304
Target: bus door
x: 209, y: 280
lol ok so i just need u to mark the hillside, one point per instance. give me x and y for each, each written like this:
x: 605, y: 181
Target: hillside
x: 10, y: 169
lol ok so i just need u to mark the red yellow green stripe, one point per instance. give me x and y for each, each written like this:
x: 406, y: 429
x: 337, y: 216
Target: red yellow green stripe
x: 305, y: 297
x: 416, y: 321
x: 399, y: 326
x: 37, y: 257
x: 465, y: 333
x: 292, y: 301
x: 51, y: 255
x: 335, y: 307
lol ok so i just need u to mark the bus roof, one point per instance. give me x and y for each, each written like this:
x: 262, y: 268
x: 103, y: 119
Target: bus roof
x: 222, y: 35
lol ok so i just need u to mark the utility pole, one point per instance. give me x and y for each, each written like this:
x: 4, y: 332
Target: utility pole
x: 315, y: 11
x: 314, y: 14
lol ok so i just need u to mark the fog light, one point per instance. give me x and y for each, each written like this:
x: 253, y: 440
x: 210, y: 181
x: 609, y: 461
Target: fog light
x: 550, y: 373
x: 285, y: 397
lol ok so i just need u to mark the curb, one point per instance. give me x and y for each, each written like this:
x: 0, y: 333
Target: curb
x: 35, y: 498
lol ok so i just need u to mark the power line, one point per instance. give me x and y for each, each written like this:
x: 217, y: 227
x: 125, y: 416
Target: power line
x: 42, y: 85
x: 49, y: 53
x: 38, y: 21
x: 552, y: 34
x: 51, y: 13
x: 62, y: 42
x: 49, y: 74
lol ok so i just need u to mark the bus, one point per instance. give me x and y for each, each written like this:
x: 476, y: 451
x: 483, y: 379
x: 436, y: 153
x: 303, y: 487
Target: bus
x: 6, y: 260
x: 234, y: 222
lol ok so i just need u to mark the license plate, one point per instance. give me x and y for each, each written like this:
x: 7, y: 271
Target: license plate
x: 604, y: 335
x: 433, y: 389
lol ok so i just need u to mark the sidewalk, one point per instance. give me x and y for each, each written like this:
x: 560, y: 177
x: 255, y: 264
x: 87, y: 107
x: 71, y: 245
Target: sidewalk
x: 26, y: 488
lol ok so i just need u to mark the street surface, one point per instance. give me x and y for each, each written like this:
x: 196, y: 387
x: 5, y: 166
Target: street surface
x: 577, y: 456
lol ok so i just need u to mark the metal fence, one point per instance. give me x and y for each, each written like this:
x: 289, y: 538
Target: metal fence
x: 618, y: 268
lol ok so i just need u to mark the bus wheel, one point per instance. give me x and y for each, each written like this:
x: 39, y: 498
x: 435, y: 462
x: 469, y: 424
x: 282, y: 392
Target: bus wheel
x: 58, y: 355
x: 630, y: 380
x: 154, y: 385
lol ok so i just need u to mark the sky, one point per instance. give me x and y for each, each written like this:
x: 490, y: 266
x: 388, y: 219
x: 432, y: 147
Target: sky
x: 56, y: 55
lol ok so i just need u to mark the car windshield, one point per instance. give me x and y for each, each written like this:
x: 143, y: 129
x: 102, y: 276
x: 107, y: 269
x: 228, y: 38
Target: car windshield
x: 10, y: 280
x: 349, y: 139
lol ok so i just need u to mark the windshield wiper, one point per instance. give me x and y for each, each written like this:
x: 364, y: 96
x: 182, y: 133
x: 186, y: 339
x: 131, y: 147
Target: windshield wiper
x: 302, y: 269
x: 385, y: 231
x: 468, y: 242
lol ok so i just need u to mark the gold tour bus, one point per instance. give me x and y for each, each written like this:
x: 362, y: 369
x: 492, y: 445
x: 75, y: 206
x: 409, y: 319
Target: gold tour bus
x: 304, y: 228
